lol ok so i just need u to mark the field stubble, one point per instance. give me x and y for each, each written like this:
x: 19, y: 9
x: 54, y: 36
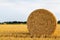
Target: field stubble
x: 20, y: 32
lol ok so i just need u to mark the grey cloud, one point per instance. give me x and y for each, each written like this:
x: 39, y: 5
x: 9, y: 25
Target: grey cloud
x: 19, y: 12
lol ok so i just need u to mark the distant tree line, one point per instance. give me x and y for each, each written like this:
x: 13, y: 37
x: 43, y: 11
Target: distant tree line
x: 58, y: 22
x: 13, y: 22
x: 18, y: 22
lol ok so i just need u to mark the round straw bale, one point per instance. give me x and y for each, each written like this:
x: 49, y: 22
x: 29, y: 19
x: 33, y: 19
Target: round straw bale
x: 41, y: 22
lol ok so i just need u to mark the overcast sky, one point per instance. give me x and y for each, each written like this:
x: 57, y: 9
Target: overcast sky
x: 19, y: 10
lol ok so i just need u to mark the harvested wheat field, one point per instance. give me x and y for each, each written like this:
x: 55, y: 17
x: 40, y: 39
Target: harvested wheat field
x: 20, y: 32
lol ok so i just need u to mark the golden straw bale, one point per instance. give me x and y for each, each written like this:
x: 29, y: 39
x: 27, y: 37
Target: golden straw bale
x: 41, y: 22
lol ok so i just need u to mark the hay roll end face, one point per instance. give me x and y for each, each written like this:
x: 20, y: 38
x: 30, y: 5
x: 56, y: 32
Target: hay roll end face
x: 41, y: 22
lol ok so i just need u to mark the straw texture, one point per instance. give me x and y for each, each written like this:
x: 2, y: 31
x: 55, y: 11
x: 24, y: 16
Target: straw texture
x: 41, y: 22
